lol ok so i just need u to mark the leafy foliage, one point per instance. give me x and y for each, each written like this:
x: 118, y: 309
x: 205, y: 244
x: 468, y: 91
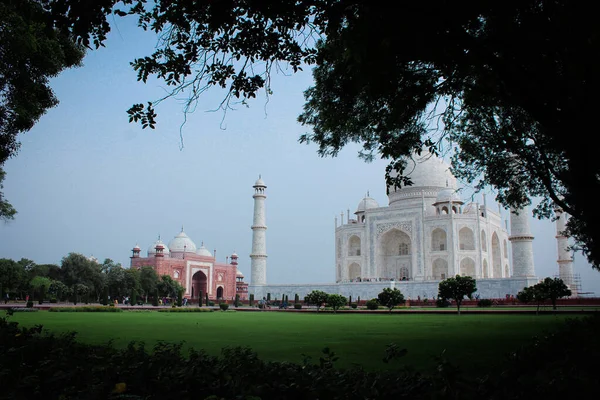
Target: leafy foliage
x: 336, y: 301
x: 317, y: 298
x: 549, y: 289
x: 457, y: 288
x: 372, y: 304
x: 390, y: 298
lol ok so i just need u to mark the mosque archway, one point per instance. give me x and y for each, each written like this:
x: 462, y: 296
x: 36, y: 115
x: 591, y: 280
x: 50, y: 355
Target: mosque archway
x: 466, y: 239
x: 467, y: 267
x: 496, y: 257
x: 354, y: 246
x: 439, y: 269
x: 486, y: 270
x: 220, y: 292
x: 199, y: 284
x: 353, y: 271
x: 438, y: 240
x: 394, y: 255
x: 483, y: 241
x: 505, y: 249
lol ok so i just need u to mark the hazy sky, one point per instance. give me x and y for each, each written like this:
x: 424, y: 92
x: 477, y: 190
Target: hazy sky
x: 87, y: 181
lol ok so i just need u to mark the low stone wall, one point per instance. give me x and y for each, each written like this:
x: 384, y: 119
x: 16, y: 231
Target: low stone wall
x: 486, y: 288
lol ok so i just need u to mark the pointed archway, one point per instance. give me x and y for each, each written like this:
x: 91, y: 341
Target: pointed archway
x: 199, y: 285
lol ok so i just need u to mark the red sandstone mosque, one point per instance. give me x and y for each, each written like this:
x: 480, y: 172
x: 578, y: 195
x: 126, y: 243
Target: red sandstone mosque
x: 196, y: 269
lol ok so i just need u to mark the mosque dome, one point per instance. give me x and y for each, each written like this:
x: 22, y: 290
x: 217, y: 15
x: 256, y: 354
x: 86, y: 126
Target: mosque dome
x: 239, y: 274
x: 366, y: 204
x: 152, y: 248
x: 182, y: 243
x: 137, y: 248
x: 448, y: 195
x: 203, y: 251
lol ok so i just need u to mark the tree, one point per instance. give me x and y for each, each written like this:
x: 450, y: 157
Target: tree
x: 396, y: 82
x: 168, y: 287
x: 336, y: 301
x: 148, y: 280
x: 40, y: 286
x: 457, y: 289
x: 7, y: 211
x: 532, y: 294
x: 465, y: 73
x: 549, y: 289
x: 390, y: 298
x: 35, y: 48
x: 317, y: 297
x: 11, y: 275
x: 132, y: 281
x: 117, y: 285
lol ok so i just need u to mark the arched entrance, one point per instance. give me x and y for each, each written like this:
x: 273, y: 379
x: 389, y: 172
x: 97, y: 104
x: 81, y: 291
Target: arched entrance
x: 199, y: 284
x: 394, y: 255
x: 220, y: 292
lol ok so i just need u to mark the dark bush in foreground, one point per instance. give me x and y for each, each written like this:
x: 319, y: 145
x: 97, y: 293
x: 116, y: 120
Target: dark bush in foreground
x: 224, y: 306
x: 298, y: 306
x: 353, y: 305
x: 36, y: 365
x: 372, y: 304
x: 484, y: 303
x: 86, y: 309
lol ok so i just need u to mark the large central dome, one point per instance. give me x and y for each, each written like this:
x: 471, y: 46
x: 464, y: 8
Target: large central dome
x: 182, y: 243
x: 425, y: 171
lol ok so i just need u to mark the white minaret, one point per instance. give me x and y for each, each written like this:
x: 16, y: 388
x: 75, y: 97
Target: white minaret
x: 565, y: 256
x: 258, y: 265
x: 521, y: 241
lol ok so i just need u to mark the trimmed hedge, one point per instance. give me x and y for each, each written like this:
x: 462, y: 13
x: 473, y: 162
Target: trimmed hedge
x: 86, y: 309
x: 184, y: 310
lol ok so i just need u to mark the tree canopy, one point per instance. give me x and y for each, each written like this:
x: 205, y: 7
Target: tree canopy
x: 507, y: 87
x: 457, y: 288
x: 390, y: 297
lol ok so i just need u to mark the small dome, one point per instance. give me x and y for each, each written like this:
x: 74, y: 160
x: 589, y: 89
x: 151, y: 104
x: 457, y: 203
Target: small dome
x: 203, y: 251
x: 137, y: 248
x: 259, y: 182
x: 182, y: 243
x: 152, y: 248
x: 234, y: 255
x: 448, y: 195
x: 239, y: 274
x: 365, y: 204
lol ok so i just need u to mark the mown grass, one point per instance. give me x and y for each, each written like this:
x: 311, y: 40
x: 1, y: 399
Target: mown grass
x: 471, y: 341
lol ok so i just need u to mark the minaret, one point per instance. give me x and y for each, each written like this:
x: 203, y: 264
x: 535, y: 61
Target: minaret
x: 258, y: 265
x: 521, y: 241
x: 565, y: 256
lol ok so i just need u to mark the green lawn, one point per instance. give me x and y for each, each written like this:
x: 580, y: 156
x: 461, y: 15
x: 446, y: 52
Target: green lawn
x: 471, y: 341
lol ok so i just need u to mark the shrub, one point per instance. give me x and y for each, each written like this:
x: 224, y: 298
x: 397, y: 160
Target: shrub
x: 211, y: 303
x: 224, y: 306
x: 484, y: 303
x: 442, y: 303
x: 353, y: 305
x: 86, y: 309
x: 373, y: 304
x: 29, y: 304
x: 21, y: 309
x: 298, y: 306
x: 53, y: 300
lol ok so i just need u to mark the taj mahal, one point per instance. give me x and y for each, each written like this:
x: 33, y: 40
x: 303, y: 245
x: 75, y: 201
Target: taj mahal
x: 425, y: 234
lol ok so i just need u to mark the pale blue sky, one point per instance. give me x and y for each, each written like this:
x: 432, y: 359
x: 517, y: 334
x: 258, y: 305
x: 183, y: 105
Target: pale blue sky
x: 87, y: 181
